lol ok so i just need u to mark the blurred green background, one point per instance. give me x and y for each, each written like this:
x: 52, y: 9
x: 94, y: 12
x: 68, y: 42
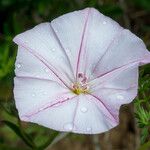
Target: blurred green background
x: 17, y: 16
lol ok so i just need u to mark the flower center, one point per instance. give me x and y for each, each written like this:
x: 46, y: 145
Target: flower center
x: 81, y: 85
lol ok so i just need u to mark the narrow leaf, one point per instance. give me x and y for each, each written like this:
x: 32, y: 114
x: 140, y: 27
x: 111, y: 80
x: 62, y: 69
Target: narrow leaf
x: 20, y: 133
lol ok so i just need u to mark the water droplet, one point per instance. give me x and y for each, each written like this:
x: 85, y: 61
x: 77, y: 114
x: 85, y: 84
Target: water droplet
x: 33, y: 94
x: 56, y: 105
x: 68, y: 126
x: 18, y: 65
x: 40, y: 109
x: 37, y: 76
x: 88, y: 129
x: 46, y: 70
x: 104, y: 22
x: 120, y: 97
x: 84, y: 109
x: 26, y: 42
x: 44, y: 93
x: 68, y: 51
x: 53, y: 50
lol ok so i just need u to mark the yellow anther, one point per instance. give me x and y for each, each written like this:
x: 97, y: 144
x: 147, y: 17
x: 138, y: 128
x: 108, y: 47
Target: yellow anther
x: 79, y: 89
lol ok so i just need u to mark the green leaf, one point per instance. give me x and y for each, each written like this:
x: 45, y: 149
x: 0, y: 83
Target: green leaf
x: 54, y: 138
x: 143, y: 3
x: 7, y: 147
x: 145, y: 146
x: 50, y: 140
x: 144, y: 135
x: 7, y: 60
x: 25, y: 137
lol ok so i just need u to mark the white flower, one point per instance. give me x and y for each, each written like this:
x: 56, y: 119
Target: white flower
x: 74, y: 73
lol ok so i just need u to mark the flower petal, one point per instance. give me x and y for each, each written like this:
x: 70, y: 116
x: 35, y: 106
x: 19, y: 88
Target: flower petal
x: 124, y: 50
x: 100, y: 82
x: 27, y: 65
x: 118, y: 90
x: 34, y: 96
x: 92, y: 117
x: 38, y: 102
x: 70, y: 29
x: 42, y: 42
x: 83, y: 34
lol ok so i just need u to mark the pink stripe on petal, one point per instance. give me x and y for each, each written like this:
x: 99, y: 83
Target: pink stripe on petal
x: 95, y: 88
x: 40, y: 58
x: 37, y: 78
x: 81, y: 44
x: 118, y: 68
x: 109, y: 46
x: 61, y: 45
x: 47, y: 106
x: 97, y: 98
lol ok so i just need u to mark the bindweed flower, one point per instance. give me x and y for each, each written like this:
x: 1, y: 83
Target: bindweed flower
x: 74, y: 73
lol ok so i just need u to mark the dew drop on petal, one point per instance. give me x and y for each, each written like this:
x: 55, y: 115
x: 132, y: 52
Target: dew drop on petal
x: 68, y: 51
x: 120, y: 97
x: 44, y: 93
x: 33, y: 94
x: 68, y: 126
x: 53, y: 50
x: 46, y: 70
x: 56, y: 105
x: 26, y: 42
x: 40, y: 109
x: 84, y: 109
x: 18, y: 65
x: 88, y: 129
x: 37, y: 76
x: 104, y: 22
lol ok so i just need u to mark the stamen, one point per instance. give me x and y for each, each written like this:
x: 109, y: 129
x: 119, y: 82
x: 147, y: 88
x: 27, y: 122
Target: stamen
x: 81, y: 86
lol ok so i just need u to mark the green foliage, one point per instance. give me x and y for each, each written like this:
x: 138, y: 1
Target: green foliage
x: 145, y: 4
x: 6, y: 60
x: 145, y: 146
x: 142, y: 104
x: 19, y: 15
x: 18, y: 130
x: 143, y: 117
